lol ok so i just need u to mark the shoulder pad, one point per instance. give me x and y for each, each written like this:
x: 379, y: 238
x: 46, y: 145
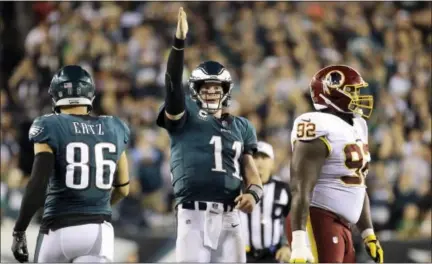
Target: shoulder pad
x: 310, y: 126
x: 40, y: 131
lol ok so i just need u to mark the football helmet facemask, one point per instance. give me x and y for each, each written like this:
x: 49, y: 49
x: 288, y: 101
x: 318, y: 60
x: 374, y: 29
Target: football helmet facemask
x: 338, y: 87
x: 72, y: 85
x: 211, y: 72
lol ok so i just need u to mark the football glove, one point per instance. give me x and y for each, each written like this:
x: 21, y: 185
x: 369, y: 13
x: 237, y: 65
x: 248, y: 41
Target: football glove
x: 19, y: 246
x: 300, y: 252
x: 374, y: 248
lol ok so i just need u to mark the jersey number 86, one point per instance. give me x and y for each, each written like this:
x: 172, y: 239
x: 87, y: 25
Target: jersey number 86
x: 104, y: 167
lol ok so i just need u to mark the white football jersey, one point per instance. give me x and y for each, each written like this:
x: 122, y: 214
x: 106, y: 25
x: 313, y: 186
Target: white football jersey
x: 341, y: 185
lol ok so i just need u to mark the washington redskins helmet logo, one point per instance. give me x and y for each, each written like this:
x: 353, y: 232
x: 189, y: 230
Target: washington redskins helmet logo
x: 335, y: 79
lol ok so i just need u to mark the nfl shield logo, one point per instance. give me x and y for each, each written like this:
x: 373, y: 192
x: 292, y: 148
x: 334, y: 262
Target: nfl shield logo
x: 335, y: 240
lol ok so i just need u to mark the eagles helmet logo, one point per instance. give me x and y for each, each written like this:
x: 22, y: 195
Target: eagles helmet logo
x: 335, y: 79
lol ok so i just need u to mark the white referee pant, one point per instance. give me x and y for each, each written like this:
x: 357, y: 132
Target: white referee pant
x: 209, y: 232
x: 81, y: 243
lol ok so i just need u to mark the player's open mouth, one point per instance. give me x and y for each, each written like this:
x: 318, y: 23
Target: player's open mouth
x: 212, y: 101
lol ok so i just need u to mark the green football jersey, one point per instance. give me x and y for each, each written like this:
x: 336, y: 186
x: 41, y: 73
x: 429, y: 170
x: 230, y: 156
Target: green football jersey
x: 206, y: 154
x: 86, y: 150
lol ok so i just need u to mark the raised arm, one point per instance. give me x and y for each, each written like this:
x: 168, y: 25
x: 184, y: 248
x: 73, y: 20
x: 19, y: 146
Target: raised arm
x: 175, y: 98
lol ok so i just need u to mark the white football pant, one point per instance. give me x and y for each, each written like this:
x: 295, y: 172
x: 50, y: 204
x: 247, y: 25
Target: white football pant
x: 82, y: 243
x: 209, y: 236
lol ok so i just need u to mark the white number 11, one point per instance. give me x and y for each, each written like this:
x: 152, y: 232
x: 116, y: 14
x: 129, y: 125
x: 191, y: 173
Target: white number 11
x: 237, y: 147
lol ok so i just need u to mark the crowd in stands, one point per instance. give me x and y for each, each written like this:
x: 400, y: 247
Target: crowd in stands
x: 272, y: 50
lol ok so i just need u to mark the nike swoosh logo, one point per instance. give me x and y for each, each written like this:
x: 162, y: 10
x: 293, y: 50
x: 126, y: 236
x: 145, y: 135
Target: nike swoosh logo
x: 307, y: 120
x: 234, y: 225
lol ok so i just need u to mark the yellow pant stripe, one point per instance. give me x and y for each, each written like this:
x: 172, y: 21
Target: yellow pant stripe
x: 312, y: 239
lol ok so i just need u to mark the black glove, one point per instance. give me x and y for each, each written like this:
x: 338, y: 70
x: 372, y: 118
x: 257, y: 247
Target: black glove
x: 19, y: 246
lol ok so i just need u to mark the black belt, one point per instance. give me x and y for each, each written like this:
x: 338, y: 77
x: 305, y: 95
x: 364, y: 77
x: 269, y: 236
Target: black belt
x: 202, y: 206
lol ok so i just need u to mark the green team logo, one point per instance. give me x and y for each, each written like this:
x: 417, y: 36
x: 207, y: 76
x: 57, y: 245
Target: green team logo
x: 35, y: 131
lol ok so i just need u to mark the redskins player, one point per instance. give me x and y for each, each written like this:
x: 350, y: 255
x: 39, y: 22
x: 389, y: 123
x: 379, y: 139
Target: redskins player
x: 328, y: 169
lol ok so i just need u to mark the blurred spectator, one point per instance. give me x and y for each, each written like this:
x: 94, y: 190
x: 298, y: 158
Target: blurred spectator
x: 147, y: 162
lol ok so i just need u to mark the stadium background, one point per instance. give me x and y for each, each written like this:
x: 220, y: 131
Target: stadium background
x: 272, y: 50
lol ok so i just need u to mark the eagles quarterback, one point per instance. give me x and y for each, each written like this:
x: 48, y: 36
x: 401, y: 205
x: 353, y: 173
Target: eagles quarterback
x: 207, y: 148
x: 76, y: 157
x: 328, y: 168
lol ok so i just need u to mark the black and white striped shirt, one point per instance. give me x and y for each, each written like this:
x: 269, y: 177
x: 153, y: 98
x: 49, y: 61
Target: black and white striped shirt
x: 263, y: 228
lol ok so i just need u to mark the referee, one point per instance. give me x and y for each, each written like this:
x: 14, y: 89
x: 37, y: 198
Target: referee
x: 265, y: 239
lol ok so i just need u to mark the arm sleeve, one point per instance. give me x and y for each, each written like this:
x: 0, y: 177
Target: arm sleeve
x: 250, y: 139
x: 175, y: 99
x: 170, y: 125
x: 34, y: 195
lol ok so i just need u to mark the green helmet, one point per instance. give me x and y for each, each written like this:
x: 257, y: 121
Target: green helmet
x: 72, y: 85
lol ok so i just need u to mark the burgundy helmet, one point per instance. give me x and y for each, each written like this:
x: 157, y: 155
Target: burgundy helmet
x: 338, y: 87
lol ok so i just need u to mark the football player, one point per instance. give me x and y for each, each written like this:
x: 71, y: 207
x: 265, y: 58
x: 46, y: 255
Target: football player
x: 207, y: 148
x: 76, y: 157
x: 328, y: 169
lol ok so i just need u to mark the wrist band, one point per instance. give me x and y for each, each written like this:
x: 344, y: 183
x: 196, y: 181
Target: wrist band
x: 367, y: 232
x: 179, y: 44
x: 256, y: 191
x: 121, y: 185
x: 298, y: 239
